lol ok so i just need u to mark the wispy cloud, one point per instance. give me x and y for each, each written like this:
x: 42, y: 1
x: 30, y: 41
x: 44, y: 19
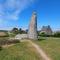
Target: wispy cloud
x: 10, y: 9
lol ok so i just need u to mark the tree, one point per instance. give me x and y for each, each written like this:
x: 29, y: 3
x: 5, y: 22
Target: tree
x: 44, y: 34
x: 57, y: 34
x: 15, y: 30
x: 20, y: 31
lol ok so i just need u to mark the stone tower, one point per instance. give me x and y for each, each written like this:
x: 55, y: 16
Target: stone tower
x: 32, y: 31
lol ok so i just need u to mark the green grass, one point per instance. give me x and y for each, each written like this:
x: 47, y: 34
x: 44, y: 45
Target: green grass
x: 51, y: 46
x: 19, y: 51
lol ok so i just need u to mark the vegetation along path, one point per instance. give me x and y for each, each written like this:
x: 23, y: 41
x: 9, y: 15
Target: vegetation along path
x: 39, y: 50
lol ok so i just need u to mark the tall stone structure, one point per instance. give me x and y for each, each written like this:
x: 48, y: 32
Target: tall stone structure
x: 32, y: 31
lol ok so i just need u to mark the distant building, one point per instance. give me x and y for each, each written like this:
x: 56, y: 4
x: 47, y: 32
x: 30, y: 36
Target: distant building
x: 47, y: 30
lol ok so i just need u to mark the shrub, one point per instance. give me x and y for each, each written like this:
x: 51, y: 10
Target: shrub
x: 0, y: 48
x: 15, y: 30
x: 57, y: 34
x: 41, y: 38
x: 4, y: 42
x: 12, y: 41
x: 43, y: 34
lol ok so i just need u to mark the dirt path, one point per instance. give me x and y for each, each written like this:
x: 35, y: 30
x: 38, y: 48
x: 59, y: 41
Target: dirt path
x: 39, y: 50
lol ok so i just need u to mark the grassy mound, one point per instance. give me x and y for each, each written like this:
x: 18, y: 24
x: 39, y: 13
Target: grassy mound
x: 4, y: 33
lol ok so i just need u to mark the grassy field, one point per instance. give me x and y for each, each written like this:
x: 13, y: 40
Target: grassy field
x: 51, y: 46
x: 25, y: 51
x: 19, y: 51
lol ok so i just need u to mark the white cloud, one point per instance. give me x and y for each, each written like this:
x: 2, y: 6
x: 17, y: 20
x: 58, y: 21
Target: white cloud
x: 11, y: 9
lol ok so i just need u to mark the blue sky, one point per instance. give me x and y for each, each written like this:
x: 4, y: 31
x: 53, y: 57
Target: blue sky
x: 17, y: 13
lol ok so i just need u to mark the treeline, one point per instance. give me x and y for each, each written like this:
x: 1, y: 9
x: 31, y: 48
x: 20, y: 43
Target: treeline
x: 12, y: 33
x: 55, y: 34
x: 19, y: 31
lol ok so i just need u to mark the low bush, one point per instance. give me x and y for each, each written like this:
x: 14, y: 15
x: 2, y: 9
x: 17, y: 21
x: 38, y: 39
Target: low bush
x: 0, y: 48
x: 13, y: 41
x: 57, y: 34
x: 4, y: 42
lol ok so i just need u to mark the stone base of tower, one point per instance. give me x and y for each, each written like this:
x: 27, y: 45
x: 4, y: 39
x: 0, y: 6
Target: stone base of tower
x: 33, y: 37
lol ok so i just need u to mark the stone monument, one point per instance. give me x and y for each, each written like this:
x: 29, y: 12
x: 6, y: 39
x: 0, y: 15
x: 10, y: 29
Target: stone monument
x: 32, y: 31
